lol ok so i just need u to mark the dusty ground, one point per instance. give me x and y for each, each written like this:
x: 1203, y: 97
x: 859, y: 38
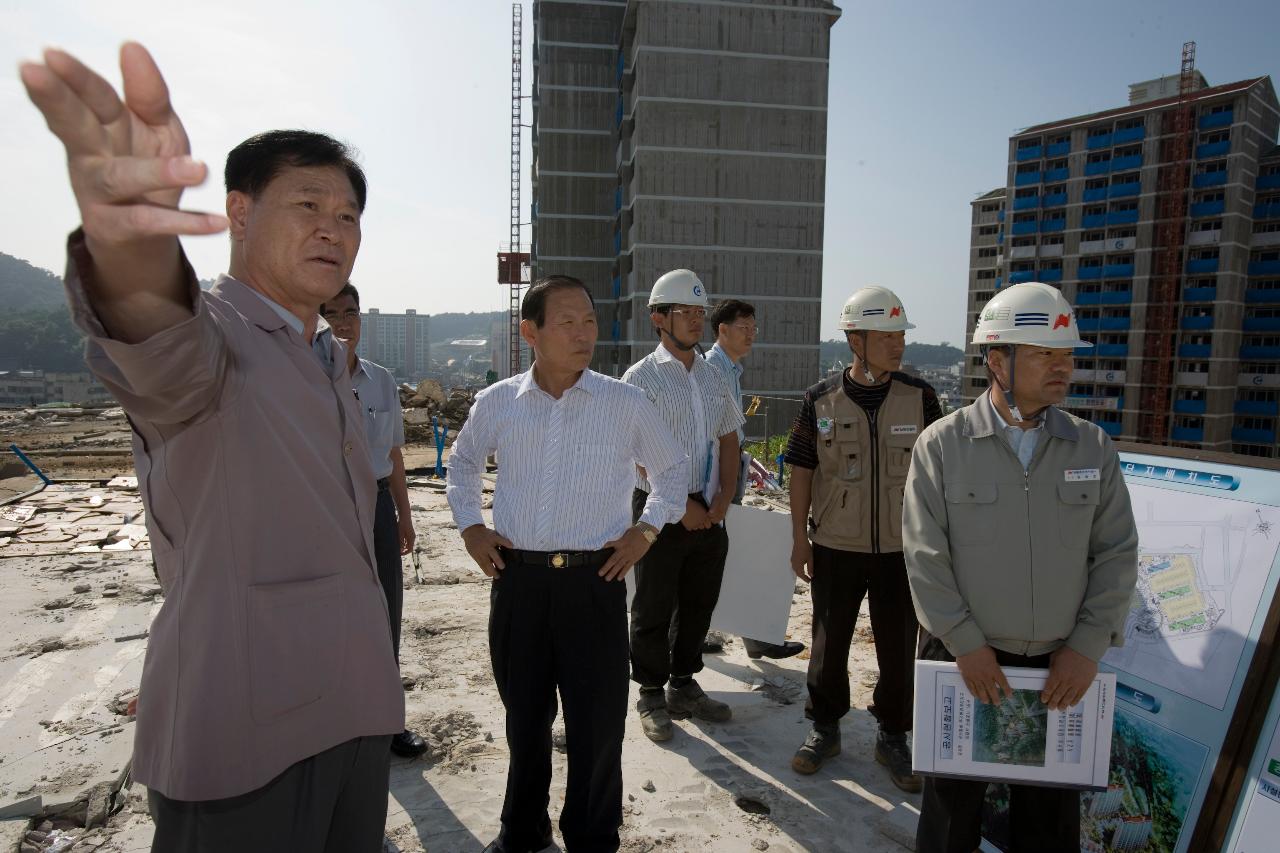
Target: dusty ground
x: 66, y: 674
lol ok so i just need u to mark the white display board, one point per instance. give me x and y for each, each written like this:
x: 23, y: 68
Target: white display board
x: 755, y: 596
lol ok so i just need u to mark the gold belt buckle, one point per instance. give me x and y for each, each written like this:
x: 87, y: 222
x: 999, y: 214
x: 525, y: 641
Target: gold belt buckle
x: 559, y: 561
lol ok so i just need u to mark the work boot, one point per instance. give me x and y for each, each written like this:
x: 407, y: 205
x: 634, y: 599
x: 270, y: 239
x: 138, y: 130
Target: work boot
x: 688, y: 701
x: 654, y: 718
x: 822, y: 743
x: 893, y: 751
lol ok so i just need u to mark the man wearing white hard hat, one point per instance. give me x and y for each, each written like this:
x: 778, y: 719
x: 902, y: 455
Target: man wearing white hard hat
x: 1021, y: 550
x: 849, y: 451
x: 678, y: 581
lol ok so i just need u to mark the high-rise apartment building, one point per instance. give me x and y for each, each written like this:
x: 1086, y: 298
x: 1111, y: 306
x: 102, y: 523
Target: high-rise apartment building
x: 399, y: 342
x: 682, y: 133
x: 1087, y: 207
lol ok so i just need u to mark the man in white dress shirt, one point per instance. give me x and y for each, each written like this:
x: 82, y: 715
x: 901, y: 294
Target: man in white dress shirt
x: 567, y: 441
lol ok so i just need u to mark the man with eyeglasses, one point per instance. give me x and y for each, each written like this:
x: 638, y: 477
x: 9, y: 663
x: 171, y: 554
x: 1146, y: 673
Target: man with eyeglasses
x: 734, y: 323
x: 678, y: 581
x: 393, y: 535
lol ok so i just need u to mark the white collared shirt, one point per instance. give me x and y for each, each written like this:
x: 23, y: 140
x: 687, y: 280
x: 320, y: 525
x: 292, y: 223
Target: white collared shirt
x: 732, y: 373
x: 379, y: 398
x: 671, y: 388
x: 1022, y: 441
x: 566, y: 466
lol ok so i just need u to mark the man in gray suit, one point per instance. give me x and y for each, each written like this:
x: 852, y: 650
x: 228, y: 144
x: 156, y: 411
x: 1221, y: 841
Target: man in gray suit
x: 270, y: 691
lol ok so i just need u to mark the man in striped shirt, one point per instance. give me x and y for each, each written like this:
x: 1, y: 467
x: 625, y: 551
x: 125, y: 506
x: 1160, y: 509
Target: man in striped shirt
x: 567, y: 441
x: 678, y: 582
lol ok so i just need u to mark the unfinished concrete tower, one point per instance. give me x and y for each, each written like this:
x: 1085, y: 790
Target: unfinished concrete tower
x: 707, y: 151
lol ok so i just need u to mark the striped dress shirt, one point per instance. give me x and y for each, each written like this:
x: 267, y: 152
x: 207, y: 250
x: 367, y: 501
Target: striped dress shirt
x: 565, y: 467
x: 732, y: 373
x: 671, y: 388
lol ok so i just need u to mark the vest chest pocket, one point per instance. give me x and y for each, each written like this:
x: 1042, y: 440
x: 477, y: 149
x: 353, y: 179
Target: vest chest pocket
x: 970, y: 514
x: 899, y: 446
x: 1077, y: 503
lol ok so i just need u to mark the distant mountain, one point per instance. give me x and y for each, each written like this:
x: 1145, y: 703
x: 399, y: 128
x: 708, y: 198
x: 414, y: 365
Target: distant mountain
x: 941, y: 355
x: 455, y: 326
x: 24, y: 287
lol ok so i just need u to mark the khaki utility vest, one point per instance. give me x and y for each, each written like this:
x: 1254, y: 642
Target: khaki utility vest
x: 862, y: 468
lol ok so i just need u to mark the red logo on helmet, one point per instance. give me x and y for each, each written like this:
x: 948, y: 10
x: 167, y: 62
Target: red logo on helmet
x: 895, y: 311
x: 1063, y: 321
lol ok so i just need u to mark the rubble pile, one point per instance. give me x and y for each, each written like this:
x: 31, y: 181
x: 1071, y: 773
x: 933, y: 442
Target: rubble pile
x: 429, y: 400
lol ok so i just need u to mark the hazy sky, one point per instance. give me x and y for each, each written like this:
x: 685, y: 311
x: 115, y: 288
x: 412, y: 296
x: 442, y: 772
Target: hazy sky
x: 924, y: 96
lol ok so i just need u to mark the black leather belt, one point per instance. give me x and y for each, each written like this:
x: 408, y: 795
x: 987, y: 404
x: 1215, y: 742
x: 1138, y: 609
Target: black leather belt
x: 384, y: 483
x: 558, y: 559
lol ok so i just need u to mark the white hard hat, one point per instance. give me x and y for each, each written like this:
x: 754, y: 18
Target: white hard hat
x: 679, y: 287
x: 1029, y: 313
x: 874, y: 309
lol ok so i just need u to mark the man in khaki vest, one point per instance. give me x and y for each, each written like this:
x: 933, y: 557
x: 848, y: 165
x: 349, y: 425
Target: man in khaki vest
x: 849, y: 449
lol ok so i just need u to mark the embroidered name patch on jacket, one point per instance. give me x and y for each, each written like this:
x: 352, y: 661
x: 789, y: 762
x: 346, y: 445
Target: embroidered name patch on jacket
x: 1081, y: 475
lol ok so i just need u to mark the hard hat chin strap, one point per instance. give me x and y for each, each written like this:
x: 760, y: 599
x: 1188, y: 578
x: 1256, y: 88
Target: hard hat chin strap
x: 679, y: 344
x: 862, y: 359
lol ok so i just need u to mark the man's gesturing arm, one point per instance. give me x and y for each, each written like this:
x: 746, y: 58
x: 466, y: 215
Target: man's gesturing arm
x: 129, y: 162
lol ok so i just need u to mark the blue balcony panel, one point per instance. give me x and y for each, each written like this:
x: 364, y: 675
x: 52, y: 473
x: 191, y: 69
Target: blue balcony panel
x: 1212, y: 120
x: 1085, y: 352
x: 1268, y: 182
x: 1052, y: 176
x: 1122, y: 217
x: 1000, y: 215
x: 1208, y: 208
x: 1048, y: 275
x: 1123, y: 164
x: 1020, y: 228
x: 1056, y: 224
x: 1023, y: 179
x: 1093, y: 220
x: 1103, y: 324
x: 1261, y: 324
x: 1254, y: 436
x: 1188, y: 433
x: 1111, y: 428
x: 1102, y: 167
x: 1199, y: 294
x: 617, y: 287
x: 1209, y: 179
x: 1267, y: 210
x: 1189, y: 407
x: 1264, y: 295
x: 1031, y: 153
x: 1088, y: 273
x: 1258, y: 352
x: 1095, y: 194
x: 1100, y: 141
x: 1112, y: 350
x: 1202, y: 265
x: 1213, y: 149
x: 1264, y: 267
x: 1117, y: 271
x: 1129, y: 134
x: 1117, y: 297
x: 1257, y: 407
x: 999, y: 281
x: 1060, y: 199
x: 617, y: 242
x: 1057, y: 149
x: 1089, y: 298
x: 1194, y: 350
x: 1197, y: 323
x: 1019, y: 276
x: 1029, y: 202
x: 1000, y: 238
x: 1124, y: 190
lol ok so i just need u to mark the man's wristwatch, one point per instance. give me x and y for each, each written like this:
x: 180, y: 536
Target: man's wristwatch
x: 648, y: 531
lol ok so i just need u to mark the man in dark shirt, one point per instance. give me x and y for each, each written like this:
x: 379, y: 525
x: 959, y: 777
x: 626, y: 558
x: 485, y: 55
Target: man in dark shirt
x: 850, y: 449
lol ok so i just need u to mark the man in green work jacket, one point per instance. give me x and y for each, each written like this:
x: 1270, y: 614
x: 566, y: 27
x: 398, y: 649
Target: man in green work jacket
x: 1021, y: 550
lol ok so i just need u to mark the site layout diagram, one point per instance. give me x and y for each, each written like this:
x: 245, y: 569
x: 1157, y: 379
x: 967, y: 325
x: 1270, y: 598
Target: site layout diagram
x: 1203, y: 565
